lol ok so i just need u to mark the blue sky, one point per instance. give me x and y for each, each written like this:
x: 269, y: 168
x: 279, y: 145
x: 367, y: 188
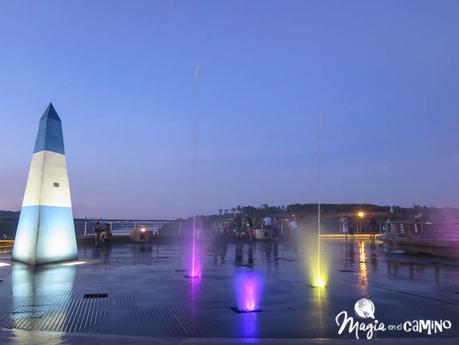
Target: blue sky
x: 384, y: 77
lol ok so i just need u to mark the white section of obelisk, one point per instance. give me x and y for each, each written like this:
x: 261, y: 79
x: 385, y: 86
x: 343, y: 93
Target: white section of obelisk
x: 48, y: 182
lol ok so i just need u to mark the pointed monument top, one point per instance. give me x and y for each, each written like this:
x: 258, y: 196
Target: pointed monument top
x: 51, y: 113
x: 49, y: 135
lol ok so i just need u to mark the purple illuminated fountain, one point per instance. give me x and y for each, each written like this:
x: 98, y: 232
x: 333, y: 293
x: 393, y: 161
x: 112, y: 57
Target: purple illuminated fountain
x: 195, y: 267
x: 249, y: 288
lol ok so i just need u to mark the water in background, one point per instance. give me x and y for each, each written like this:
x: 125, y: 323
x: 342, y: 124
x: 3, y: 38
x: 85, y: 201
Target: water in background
x: 119, y: 227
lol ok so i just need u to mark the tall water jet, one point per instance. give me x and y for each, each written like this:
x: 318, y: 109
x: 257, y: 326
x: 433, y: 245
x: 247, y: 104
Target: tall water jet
x: 319, y: 277
x: 195, y: 267
x: 319, y: 282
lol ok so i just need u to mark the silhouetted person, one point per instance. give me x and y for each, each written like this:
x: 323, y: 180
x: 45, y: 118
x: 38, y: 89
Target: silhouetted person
x: 351, y: 230
x: 106, y: 233
x: 267, y: 223
x: 97, y: 231
x: 237, y: 224
x: 344, y: 226
x: 249, y: 227
x: 373, y: 225
x: 238, y: 255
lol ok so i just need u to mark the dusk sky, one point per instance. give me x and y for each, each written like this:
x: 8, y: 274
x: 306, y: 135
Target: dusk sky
x: 383, y: 75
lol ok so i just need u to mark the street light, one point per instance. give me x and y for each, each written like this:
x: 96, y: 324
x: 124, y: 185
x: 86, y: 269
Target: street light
x: 360, y: 215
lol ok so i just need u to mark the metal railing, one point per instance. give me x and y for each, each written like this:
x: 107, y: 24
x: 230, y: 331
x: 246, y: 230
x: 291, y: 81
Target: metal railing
x: 422, y: 231
x: 121, y: 227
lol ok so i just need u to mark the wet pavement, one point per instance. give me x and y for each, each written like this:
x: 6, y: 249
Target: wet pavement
x: 141, y: 290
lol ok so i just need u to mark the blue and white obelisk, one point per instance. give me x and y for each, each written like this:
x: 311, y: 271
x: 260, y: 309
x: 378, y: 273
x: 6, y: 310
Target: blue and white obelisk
x: 46, y: 232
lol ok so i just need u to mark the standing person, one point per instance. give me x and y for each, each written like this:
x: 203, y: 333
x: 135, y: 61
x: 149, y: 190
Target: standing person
x: 106, y: 233
x: 351, y: 229
x: 344, y: 226
x: 97, y: 231
x: 373, y: 225
x: 293, y: 227
x: 237, y: 224
x: 250, y: 226
x: 267, y: 223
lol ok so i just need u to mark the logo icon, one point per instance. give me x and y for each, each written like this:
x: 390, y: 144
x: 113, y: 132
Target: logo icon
x: 365, y: 308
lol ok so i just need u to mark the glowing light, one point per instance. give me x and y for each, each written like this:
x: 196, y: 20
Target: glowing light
x: 249, y: 289
x: 318, y: 268
x: 361, y: 214
x: 142, y: 230
x: 320, y: 282
x: 316, y: 259
x: 195, y: 271
x: 74, y: 263
x: 3, y: 264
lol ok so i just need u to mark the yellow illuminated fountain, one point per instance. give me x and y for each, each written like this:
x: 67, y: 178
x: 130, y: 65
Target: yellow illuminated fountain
x: 318, y: 267
x: 318, y: 264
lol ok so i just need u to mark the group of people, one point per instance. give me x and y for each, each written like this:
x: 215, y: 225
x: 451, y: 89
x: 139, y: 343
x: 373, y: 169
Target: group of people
x: 244, y: 227
x: 348, y: 226
x: 102, y: 234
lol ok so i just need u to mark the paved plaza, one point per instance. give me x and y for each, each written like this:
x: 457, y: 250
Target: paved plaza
x: 141, y: 291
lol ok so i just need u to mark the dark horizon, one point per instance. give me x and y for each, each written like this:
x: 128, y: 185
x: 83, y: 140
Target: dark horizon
x: 356, y: 207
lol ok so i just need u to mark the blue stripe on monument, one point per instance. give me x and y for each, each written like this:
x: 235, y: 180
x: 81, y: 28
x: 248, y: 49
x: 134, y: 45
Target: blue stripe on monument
x: 26, y: 234
x: 56, y: 237
x: 56, y: 240
x: 49, y: 135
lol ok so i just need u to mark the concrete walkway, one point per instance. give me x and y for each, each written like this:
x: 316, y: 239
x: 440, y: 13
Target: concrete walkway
x: 19, y: 337
x: 140, y: 293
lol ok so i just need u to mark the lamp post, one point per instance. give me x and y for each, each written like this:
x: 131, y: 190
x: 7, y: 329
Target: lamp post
x: 360, y: 216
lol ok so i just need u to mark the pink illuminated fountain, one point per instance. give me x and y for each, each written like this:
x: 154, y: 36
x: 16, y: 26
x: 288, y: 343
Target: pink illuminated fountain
x: 195, y: 267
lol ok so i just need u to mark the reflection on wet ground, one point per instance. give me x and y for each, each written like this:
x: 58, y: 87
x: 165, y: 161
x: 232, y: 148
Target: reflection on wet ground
x: 256, y: 289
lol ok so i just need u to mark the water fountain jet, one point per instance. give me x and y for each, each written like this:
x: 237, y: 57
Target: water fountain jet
x: 249, y: 290
x: 319, y: 278
x: 195, y: 267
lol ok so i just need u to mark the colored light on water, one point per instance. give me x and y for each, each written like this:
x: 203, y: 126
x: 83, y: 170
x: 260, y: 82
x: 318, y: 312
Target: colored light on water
x: 363, y: 280
x: 249, y: 289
